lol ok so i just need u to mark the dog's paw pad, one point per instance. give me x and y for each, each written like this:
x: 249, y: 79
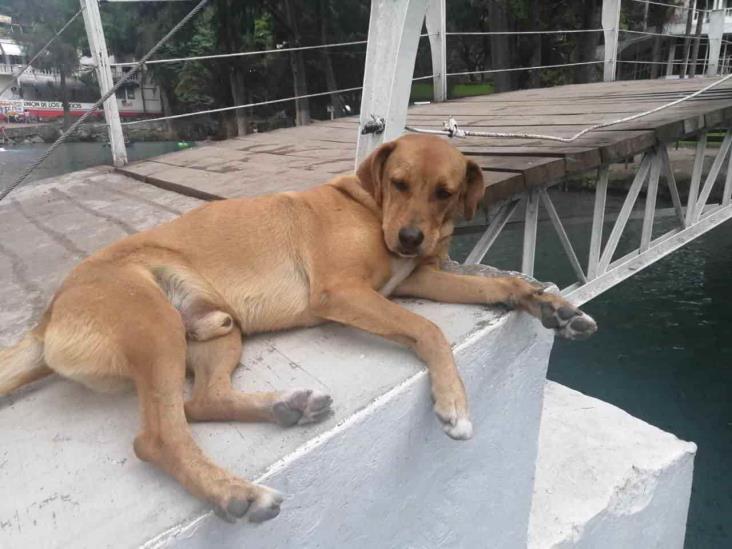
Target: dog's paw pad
x: 302, y: 406
x: 567, y: 321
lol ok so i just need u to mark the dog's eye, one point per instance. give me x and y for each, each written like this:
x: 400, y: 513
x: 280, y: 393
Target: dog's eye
x: 400, y: 185
x: 442, y: 193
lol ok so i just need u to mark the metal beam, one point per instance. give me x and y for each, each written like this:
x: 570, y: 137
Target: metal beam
x: 98, y: 47
x: 671, y: 183
x: 713, y: 174
x: 650, y: 209
x: 598, y: 221
x: 635, y: 261
x: 562, y: 234
x: 696, y: 175
x: 624, y: 215
x: 727, y: 192
x: 530, y: 225
x: 495, y: 227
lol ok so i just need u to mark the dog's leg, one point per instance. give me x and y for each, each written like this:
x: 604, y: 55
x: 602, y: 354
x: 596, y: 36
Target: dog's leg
x: 166, y: 441
x: 554, y: 311
x: 368, y: 310
x: 214, y: 398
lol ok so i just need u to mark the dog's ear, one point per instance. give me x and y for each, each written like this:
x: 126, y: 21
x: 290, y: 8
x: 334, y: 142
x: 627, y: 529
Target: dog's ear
x: 473, y: 189
x: 370, y: 172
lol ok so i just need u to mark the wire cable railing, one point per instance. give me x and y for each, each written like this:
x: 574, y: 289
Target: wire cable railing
x: 453, y: 130
x: 241, y: 54
x: 512, y: 33
x: 113, y: 90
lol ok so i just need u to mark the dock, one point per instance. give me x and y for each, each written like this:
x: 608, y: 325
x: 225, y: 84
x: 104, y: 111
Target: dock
x: 298, y: 158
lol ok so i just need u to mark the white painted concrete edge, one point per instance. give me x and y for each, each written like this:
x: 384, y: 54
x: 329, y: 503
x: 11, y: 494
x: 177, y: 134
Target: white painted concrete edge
x: 605, y: 479
x: 408, y: 459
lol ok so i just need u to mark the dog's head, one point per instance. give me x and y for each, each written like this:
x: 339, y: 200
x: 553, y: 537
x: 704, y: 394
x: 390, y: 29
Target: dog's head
x: 421, y: 183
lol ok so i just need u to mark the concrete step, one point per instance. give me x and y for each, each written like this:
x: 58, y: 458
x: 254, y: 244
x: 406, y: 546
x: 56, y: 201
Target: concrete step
x: 605, y: 479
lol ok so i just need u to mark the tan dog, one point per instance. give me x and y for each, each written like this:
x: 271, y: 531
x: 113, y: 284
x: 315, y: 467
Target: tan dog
x: 184, y: 293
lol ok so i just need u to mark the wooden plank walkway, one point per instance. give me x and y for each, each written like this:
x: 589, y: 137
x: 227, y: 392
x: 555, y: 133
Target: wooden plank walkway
x: 298, y: 158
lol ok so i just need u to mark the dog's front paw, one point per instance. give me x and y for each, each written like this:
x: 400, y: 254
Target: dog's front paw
x: 452, y: 411
x: 301, y: 406
x: 566, y: 320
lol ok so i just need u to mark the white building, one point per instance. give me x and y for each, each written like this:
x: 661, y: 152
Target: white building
x: 36, y: 94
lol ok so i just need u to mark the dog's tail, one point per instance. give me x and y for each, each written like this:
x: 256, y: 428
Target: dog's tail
x: 22, y: 364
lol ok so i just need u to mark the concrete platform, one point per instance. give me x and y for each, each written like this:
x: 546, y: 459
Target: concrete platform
x: 66, y: 457
x: 378, y: 473
x: 605, y: 479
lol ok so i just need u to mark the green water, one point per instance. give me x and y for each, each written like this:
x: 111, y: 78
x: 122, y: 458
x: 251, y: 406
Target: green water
x: 663, y: 353
x: 69, y: 157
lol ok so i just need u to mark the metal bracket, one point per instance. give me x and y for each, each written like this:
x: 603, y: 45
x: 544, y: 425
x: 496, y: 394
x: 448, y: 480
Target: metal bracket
x: 452, y: 128
x: 375, y: 125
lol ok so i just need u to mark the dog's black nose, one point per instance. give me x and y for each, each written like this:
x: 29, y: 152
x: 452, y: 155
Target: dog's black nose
x: 410, y: 238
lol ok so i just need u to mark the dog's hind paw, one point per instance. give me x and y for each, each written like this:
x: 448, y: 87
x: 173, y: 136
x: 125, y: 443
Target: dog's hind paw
x: 302, y: 406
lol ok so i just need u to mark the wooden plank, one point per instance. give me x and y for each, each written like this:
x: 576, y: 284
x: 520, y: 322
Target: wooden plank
x: 501, y: 186
x: 537, y: 170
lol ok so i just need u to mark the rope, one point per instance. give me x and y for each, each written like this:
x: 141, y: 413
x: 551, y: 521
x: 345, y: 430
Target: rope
x: 492, y: 33
x: 525, y: 68
x: 42, y: 50
x: 452, y: 129
x: 5, y: 192
x: 241, y: 54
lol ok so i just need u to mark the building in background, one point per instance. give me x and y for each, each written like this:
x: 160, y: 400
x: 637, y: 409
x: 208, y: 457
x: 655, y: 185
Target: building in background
x: 36, y: 96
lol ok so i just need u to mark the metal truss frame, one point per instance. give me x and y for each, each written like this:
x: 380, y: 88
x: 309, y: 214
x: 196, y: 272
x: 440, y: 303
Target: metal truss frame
x: 603, y: 270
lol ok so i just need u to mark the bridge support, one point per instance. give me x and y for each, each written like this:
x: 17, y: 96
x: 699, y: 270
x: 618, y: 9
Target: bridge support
x: 611, y: 29
x: 394, y: 28
x: 98, y: 47
x: 603, y: 271
x: 436, y: 28
x: 716, y: 32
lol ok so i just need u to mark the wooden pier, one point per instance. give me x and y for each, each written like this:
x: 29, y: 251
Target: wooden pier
x: 297, y: 158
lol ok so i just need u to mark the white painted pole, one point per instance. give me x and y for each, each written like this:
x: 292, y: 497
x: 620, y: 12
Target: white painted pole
x: 394, y: 29
x: 610, y: 26
x: 671, y: 59
x: 98, y: 47
x: 716, y: 31
x: 530, y: 225
x: 436, y: 28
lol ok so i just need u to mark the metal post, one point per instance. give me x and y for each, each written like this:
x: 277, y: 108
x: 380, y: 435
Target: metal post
x: 610, y: 26
x: 394, y: 28
x: 697, y: 43
x: 435, y: 21
x: 98, y: 47
x: 687, y: 37
x: 716, y: 31
x: 671, y: 58
x: 530, y: 225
